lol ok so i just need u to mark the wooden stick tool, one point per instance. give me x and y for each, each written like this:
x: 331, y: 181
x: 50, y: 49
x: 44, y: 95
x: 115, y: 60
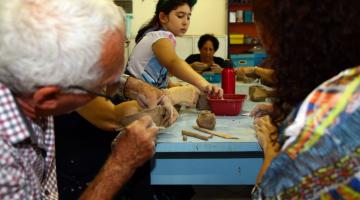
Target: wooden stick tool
x: 195, y: 135
x: 219, y: 134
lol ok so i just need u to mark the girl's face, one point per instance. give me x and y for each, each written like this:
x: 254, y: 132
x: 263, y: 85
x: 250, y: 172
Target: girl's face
x: 177, y: 21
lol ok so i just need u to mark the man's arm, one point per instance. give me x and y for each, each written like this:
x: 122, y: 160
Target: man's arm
x: 149, y: 96
x: 111, y: 178
x: 130, y: 150
x: 141, y: 91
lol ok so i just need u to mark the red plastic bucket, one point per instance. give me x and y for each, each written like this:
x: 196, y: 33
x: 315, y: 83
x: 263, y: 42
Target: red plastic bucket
x: 231, y: 105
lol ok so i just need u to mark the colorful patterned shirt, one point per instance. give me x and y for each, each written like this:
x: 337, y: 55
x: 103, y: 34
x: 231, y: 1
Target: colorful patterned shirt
x: 27, y: 153
x: 320, y: 158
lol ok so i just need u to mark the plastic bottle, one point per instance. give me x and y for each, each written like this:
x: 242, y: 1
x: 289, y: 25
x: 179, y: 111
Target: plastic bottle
x: 228, y: 78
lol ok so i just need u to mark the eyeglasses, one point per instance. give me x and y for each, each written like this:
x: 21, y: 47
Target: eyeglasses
x: 127, y: 43
x: 109, y: 92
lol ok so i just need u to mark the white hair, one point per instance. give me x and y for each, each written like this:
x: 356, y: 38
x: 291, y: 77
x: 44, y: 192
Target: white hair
x: 54, y: 42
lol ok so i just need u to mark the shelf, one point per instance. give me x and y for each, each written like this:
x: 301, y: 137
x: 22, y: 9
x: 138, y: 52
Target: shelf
x: 242, y: 45
x: 242, y: 28
x: 247, y: 29
x: 242, y: 23
x: 235, y: 7
x: 240, y: 48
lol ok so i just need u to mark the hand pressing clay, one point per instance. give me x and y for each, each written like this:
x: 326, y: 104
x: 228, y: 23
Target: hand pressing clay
x: 245, y: 74
x: 266, y: 133
x: 258, y: 93
x: 206, y: 119
x: 158, y: 115
x: 249, y: 74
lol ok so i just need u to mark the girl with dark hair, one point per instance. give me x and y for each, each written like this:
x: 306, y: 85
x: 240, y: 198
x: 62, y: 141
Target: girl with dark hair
x: 317, y: 153
x: 208, y: 44
x: 154, y: 54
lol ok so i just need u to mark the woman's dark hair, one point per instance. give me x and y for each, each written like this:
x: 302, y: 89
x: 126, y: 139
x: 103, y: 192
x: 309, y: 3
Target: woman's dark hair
x: 310, y: 41
x: 208, y: 37
x: 165, y: 6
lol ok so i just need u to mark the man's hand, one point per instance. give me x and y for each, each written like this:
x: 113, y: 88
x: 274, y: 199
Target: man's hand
x: 170, y: 112
x: 131, y: 149
x: 136, y: 143
x: 147, y: 95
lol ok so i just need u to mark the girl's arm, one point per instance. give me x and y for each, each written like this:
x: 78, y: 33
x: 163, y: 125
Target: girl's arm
x: 166, y: 55
x: 105, y: 115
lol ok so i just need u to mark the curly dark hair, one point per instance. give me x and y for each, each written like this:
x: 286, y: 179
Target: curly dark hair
x: 165, y: 6
x: 308, y: 42
x: 208, y: 37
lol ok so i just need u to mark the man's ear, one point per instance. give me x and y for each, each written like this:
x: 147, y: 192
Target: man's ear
x: 46, y: 97
x: 163, y: 18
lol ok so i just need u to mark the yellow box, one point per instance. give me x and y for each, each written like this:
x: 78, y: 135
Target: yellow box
x: 236, y: 38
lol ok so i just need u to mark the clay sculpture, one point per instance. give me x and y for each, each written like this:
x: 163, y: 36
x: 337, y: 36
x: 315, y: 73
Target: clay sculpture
x: 202, y: 103
x: 206, y: 119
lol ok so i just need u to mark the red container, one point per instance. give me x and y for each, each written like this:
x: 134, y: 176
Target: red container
x: 231, y: 105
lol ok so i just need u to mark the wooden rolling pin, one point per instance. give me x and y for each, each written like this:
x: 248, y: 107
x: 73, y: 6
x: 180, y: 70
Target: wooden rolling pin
x: 223, y: 135
x: 195, y: 135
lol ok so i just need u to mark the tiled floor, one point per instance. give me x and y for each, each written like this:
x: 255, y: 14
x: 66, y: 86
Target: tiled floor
x: 222, y: 192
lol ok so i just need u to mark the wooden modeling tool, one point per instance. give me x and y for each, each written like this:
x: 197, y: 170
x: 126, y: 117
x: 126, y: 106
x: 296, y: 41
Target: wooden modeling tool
x: 219, y: 134
x: 195, y: 135
x: 123, y: 128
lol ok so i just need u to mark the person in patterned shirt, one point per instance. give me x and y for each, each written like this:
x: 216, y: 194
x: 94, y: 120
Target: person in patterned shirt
x: 313, y: 47
x: 56, y: 56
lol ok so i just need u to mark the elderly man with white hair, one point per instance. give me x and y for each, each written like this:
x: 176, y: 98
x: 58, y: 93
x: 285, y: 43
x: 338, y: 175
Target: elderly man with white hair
x: 56, y: 56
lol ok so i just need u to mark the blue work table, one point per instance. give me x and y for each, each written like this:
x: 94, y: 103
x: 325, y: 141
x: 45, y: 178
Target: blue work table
x: 217, y: 161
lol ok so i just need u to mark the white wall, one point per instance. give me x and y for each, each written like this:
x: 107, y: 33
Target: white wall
x: 208, y: 16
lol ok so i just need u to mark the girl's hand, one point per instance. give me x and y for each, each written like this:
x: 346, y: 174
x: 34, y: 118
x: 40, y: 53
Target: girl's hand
x: 213, y: 90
